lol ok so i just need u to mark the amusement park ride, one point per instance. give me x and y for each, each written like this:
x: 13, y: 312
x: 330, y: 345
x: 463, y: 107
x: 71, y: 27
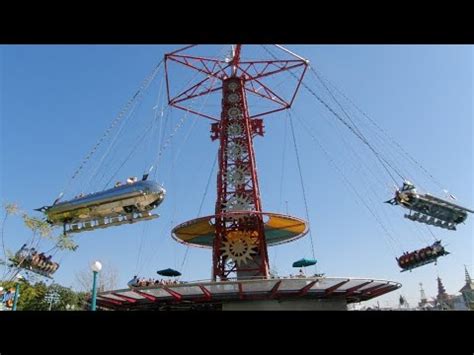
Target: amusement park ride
x: 240, y: 231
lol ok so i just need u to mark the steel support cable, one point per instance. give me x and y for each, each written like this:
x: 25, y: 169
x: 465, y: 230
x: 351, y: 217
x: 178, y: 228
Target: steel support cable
x: 398, y: 170
x: 332, y: 111
x: 362, y: 138
x: 159, y: 114
x: 347, y: 181
x: 137, y: 269
x: 388, y: 150
x: 108, y: 150
x: 302, y: 183
x: 421, y: 237
x: 353, y: 129
x: 206, y: 98
x: 117, y: 135
x: 119, y: 117
x: 164, y: 144
x: 377, y: 137
x: 431, y: 232
x: 373, y: 122
x: 212, y: 170
x: 140, y: 141
x: 352, y: 150
x: 206, y: 190
x: 283, y: 163
x: 169, y: 139
x: 112, y: 144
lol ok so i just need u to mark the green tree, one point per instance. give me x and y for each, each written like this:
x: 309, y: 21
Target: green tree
x: 41, y: 230
x: 33, y: 297
x: 67, y: 297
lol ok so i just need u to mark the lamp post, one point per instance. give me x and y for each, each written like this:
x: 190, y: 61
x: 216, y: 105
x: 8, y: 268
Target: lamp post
x: 17, y: 291
x: 96, y: 267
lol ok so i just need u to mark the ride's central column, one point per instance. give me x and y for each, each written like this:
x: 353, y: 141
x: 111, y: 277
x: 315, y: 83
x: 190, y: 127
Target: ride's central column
x: 239, y: 245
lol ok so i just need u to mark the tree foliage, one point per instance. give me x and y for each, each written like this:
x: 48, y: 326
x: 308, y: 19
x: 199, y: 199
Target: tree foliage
x: 41, y: 230
x: 33, y: 297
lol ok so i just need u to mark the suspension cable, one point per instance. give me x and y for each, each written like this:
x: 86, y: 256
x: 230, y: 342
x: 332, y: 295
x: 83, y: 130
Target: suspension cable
x: 347, y: 181
x: 373, y: 122
x: 119, y: 117
x: 361, y: 137
x: 200, y: 208
x: 283, y: 164
x: 353, y: 129
x: 301, y: 180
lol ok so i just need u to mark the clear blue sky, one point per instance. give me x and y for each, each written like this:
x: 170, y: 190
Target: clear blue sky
x: 56, y: 101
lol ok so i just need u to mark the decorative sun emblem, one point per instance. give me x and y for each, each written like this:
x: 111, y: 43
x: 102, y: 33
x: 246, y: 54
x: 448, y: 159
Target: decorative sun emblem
x: 233, y: 98
x: 232, y: 86
x: 235, y: 129
x: 239, y: 247
x: 236, y: 150
x: 234, y: 112
x: 238, y: 203
x: 237, y: 175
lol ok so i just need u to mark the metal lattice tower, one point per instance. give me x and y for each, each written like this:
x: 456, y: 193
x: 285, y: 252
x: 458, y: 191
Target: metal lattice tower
x: 239, y: 243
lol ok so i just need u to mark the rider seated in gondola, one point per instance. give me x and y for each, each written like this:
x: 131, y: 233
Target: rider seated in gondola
x: 134, y: 282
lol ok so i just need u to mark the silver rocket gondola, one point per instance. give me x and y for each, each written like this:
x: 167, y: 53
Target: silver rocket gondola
x: 429, y: 209
x: 122, y: 204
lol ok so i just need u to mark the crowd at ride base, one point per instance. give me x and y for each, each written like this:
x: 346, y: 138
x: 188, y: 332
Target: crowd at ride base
x: 144, y: 282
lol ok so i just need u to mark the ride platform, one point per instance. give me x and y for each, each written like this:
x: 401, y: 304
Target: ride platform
x: 285, y: 293
x: 279, y: 228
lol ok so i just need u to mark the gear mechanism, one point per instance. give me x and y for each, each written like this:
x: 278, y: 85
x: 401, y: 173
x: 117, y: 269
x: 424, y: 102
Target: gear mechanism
x: 238, y: 203
x: 236, y: 150
x: 235, y: 129
x: 234, y: 113
x: 236, y: 176
x: 232, y: 86
x: 240, y: 246
x: 233, y: 98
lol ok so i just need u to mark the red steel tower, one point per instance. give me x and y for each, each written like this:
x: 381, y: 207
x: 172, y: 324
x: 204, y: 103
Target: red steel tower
x: 239, y: 231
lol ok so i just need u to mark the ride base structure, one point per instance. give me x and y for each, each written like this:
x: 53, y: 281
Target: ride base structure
x: 239, y: 232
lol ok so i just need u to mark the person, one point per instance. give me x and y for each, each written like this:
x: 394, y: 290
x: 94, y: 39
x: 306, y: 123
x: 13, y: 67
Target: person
x: 118, y: 183
x: 48, y: 267
x: 22, y: 253
x: 130, y: 180
x: 437, y: 247
x: 133, y: 282
x: 408, y: 186
x: 35, y: 258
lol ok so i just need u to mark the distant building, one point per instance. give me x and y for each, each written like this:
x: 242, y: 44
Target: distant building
x: 443, y: 301
x: 467, y: 291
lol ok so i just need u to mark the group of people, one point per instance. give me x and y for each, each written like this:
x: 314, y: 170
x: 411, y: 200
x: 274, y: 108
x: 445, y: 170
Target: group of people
x: 143, y: 282
x: 26, y: 257
x: 417, y: 256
